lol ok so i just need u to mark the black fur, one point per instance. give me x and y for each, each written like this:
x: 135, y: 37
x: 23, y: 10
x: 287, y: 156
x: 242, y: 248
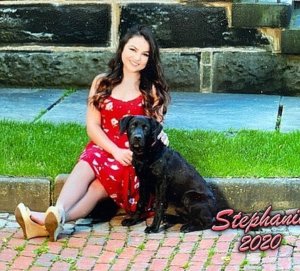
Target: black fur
x: 164, y: 173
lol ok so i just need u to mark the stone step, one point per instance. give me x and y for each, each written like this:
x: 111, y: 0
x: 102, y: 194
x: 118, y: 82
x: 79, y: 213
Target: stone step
x: 290, y: 41
x: 295, y: 20
x: 35, y: 52
x: 224, y: 69
x: 60, y: 23
x: 249, y: 197
x: 290, y: 37
x: 94, y: 23
x: 261, y: 14
x: 241, y: 194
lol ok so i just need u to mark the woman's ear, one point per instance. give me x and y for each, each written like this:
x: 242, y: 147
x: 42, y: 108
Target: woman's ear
x: 124, y: 123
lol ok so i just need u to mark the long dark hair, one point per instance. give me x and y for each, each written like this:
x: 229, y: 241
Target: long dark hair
x: 151, y: 76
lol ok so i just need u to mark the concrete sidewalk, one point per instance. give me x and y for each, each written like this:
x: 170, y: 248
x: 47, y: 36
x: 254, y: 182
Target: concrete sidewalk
x: 109, y: 246
x: 188, y: 110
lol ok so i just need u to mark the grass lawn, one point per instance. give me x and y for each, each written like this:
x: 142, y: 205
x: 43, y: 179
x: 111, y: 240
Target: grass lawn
x: 46, y: 150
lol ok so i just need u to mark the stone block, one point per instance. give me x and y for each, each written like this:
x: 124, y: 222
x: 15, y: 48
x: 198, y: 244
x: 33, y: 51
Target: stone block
x: 188, y: 25
x: 58, y: 184
x: 206, y: 58
x: 178, y: 25
x: 33, y: 192
x: 274, y: 37
x: 201, y: 2
x: 244, y: 37
x: 206, y: 78
x: 243, y: 194
x: 252, y: 15
x: 181, y: 70
x: 55, y: 24
x: 291, y: 75
x: 252, y: 195
x: 290, y: 41
x: 51, y: 69
x: 251, y: 71
x: 67, y: 69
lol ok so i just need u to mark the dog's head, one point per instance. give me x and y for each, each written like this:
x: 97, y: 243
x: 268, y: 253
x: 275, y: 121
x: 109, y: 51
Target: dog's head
x: 142, y: 132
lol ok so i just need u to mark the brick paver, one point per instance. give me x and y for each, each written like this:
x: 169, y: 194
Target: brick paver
x: 109, y: 246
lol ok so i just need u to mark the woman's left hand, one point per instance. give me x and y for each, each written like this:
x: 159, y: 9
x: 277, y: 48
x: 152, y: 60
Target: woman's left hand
x: 163, y: 137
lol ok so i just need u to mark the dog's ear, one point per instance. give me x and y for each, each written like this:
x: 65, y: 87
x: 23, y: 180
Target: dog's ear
x: 124, y: 123
x: 156, y: 127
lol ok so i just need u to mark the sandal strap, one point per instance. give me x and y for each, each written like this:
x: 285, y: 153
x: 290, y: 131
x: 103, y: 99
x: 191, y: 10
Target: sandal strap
x: 62, y: 214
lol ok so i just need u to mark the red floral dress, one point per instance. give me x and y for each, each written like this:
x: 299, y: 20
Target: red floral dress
x: 120, y: 182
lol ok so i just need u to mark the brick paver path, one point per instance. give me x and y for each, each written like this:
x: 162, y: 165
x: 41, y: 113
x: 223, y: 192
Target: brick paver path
x: 109, y: 246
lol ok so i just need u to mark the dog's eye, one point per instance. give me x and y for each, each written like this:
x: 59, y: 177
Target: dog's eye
x: 145, y: 127
x: 133, y: 125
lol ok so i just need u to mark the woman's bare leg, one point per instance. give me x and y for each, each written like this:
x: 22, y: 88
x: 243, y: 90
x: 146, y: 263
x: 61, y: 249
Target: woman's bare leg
x: 75, y: 186
x: 74, y: 189
x: 86, y: 204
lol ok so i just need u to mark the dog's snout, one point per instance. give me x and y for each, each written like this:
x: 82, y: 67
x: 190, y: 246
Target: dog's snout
x: 137, y: 137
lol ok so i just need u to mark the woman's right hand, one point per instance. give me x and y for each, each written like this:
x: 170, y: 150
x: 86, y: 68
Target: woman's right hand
x: 123, y: 156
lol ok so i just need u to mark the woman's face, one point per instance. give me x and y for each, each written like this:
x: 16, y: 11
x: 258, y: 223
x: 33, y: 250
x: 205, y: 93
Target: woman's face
x: 135, y: 54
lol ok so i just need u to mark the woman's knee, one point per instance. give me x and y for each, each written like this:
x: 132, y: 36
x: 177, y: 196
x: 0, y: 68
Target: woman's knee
x: 82, y: 174
x: 97, y: 189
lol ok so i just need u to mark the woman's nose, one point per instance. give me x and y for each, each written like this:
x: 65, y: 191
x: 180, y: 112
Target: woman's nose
x: 137, y: 57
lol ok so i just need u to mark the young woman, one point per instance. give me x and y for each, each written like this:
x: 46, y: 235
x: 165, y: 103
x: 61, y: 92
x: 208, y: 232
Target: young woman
x: 135, y: 85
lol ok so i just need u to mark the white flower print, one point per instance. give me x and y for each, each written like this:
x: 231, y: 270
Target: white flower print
x: 114, y: 122
x: 96, y: 170
x: 97, y: 154
x: 110, y: 160
x: 112, y: 177
x: 127, y: 144
x: 113, y: 196
x: 95, y: 162
x: 132, y: 201
x: 137, y: 185
x: 109, y: 106
x: 114, y: 167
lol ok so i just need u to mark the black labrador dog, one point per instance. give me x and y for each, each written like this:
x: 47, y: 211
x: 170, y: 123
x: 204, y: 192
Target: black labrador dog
x: 165, y: 174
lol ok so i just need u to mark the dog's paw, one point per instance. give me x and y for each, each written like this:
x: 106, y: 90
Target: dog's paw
x: 131, y: 221
x: 151, y: 229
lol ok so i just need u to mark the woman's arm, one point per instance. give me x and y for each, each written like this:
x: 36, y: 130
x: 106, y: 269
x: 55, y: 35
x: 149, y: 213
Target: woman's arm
x: 97, y: 135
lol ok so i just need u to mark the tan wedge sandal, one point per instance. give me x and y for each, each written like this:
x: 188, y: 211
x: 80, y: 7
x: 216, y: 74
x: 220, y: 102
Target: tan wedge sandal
x: 54, y: 222
x: 30, y: 228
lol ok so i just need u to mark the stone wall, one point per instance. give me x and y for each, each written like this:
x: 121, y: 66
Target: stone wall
x: 65, y: 43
